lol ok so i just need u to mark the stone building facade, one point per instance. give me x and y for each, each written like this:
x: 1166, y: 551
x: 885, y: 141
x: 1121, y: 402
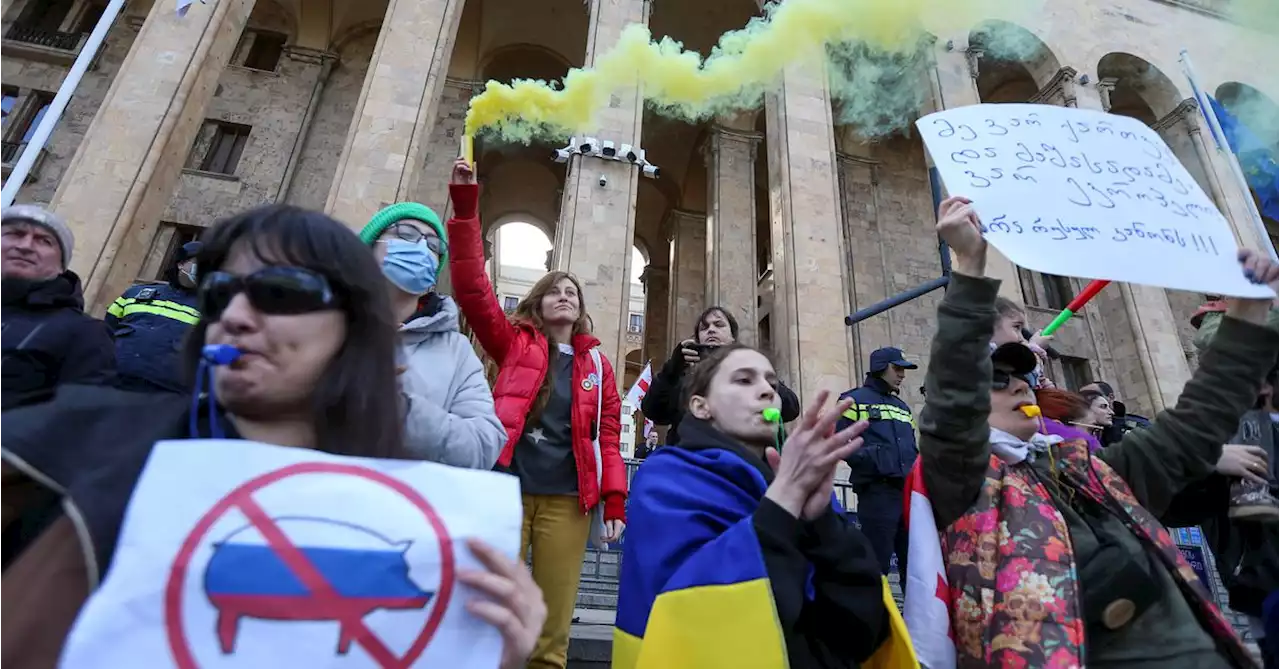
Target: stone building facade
x: 779, y: 213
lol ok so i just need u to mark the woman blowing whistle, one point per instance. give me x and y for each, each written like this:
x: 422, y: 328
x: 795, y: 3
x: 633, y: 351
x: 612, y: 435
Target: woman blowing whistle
x: 1055, y: 557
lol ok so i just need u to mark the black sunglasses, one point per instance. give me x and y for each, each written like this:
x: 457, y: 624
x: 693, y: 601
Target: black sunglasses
x: 278, y: 291
x: 1000, y: 379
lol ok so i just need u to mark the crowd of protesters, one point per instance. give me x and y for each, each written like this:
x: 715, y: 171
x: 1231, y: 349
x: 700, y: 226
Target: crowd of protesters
x: 1050, y: 503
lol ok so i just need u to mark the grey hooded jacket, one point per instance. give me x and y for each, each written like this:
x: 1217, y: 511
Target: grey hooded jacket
x: 450, y: 417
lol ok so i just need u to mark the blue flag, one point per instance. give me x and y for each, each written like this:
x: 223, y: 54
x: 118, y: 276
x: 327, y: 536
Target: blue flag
x: 1256, y: 160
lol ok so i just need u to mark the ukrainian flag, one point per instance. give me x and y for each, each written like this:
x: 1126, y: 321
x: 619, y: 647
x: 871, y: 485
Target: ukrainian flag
x: 694, y: 590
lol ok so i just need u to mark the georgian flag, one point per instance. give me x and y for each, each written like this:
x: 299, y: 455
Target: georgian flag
x: 928, y: 599
x: 648, y: 427
x: 641, y: 388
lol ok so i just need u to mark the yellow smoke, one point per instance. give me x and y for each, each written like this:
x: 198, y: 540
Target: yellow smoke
x: 734, y: 75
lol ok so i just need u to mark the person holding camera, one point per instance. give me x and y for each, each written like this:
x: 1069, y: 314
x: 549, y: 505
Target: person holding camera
x: 714, y: 328
x: 1054, y: 557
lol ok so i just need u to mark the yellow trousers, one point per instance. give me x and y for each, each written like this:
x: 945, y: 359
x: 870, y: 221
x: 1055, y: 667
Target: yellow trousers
x: 557, y: 532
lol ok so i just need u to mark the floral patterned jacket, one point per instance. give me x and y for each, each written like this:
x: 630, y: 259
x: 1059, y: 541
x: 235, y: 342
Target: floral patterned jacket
x: 1015, y: 599
x: 1012, y: 576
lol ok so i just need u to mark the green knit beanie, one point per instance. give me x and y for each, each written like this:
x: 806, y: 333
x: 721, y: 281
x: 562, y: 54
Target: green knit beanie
x: 399, y: 212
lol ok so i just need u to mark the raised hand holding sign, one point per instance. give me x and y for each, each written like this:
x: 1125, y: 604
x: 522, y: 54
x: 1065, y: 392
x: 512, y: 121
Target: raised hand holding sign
x: 1082, y: 193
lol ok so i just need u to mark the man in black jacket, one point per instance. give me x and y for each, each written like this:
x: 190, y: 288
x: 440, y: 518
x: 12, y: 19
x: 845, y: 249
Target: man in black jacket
x: 663, y: 404
x: 47, y: 338
x: 879, y: 469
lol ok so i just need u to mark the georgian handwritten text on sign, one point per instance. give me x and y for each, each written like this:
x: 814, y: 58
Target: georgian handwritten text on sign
x: 1082, y: 193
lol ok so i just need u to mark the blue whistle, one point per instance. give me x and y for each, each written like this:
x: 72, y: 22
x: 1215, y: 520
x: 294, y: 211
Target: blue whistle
x: 220, y: 354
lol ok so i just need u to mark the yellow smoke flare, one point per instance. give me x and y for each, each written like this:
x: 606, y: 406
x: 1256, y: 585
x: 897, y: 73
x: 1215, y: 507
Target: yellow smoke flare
x: 739, y: 69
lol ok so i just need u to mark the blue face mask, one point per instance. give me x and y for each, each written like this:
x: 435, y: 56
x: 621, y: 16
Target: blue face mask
x: 410, y: 266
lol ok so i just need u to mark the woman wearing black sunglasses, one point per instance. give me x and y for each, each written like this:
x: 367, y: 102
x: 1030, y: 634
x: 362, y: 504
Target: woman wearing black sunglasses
x: 1055, y: 556
x: 305, y: 304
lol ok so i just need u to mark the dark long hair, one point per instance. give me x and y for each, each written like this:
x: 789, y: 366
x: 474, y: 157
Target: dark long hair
x: 355, y: 404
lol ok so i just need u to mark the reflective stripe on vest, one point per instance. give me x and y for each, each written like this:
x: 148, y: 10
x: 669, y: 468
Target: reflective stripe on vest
x: 127, y: 306
x: 859, y: 412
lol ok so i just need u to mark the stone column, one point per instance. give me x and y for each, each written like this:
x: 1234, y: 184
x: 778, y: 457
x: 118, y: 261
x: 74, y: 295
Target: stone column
x: 812, y: 346
x: 957, y: 69
x: 125, y: 170
x: 390, y: 130
x: 1180, y: 129
x: 1153, y: 368
x: 871, y: 277
x: 596, y: 230
x: 657, y: 284
x: 319, y: 65
x: 687, y: 232
x: 731, y: 269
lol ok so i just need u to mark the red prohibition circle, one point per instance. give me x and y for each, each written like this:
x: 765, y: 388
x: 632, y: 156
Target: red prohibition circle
x: 173, y: 594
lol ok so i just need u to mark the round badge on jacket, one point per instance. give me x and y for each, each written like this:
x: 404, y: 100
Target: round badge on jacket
x: 591, y: 381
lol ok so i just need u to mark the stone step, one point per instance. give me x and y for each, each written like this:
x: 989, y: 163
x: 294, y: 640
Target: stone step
x: 591, y: 638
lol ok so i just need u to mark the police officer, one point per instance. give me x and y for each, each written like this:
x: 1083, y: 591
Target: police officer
x: 881, y: 466
x: 150, y: 322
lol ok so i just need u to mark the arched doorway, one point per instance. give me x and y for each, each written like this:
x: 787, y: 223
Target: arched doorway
x: 518, y: 257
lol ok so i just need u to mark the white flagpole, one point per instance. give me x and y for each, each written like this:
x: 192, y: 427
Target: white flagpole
x: 51, y: 117
x: 1220, y: 140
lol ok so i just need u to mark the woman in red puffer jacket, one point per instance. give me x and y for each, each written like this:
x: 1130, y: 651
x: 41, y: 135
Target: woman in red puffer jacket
x: 548, y: 395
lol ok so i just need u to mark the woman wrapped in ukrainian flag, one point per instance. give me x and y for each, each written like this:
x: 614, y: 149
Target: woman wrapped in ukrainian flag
x: 737, y: 555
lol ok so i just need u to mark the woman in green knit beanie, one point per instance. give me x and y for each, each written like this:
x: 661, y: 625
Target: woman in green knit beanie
x: 449, y: 414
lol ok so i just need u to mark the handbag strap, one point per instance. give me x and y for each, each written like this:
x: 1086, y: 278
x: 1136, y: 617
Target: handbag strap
x: 595, y: 357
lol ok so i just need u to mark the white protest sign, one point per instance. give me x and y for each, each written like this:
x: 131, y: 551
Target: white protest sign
x: 1086, y: 194
x: 239, y: 554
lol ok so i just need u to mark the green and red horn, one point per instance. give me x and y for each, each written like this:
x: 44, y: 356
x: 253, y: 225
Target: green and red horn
x: 1077, y: 304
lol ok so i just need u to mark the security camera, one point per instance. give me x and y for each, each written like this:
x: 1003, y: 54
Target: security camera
x: 628, y: 153
x: 639, y: 156
x: 650, y: 171
x: 562, y: 155
x: 604, y: 181
x: 607, y: 150
x: 589, y: 146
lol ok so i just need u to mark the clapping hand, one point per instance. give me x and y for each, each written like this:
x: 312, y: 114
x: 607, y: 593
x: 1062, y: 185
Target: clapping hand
x: 804, y: 473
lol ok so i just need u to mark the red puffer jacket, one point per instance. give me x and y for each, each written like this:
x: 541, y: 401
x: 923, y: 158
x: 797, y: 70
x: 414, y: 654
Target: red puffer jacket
x: 521, y: 353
